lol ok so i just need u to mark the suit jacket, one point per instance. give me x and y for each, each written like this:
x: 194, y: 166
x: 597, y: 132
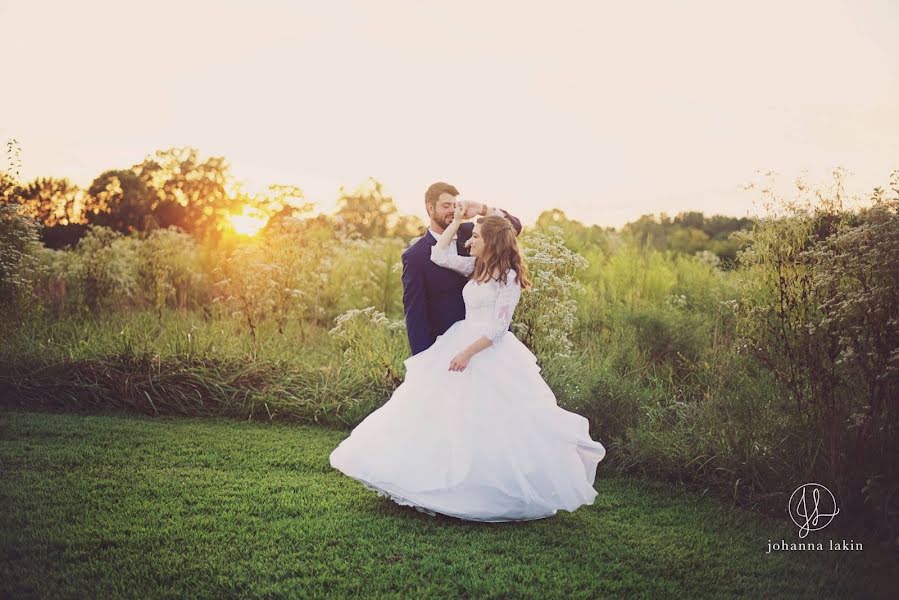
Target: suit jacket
x: 432, y: 295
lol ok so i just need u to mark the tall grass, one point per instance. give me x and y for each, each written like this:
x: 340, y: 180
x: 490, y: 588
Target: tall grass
x: 183, y: 364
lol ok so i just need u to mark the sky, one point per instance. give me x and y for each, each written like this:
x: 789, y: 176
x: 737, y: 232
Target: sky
x: 605, y: 110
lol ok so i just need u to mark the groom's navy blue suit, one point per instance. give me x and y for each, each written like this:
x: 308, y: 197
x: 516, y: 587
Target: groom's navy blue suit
x: 432, y: 295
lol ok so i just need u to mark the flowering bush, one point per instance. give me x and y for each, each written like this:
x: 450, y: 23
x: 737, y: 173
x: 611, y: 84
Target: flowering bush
x: 547, y: 313
x: 19, y: 240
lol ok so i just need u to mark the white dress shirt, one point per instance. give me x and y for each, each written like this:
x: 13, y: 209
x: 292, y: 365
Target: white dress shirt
x: 437, y: 235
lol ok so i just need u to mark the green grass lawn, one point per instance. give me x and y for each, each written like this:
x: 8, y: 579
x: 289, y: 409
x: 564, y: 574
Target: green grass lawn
x: 109, y: 506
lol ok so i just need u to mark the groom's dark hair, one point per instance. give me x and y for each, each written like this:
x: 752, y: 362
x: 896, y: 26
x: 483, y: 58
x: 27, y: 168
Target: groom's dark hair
x: 433, y: 193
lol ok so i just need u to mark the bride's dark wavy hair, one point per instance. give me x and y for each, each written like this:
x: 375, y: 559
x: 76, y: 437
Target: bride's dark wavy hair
x: 501, y: 252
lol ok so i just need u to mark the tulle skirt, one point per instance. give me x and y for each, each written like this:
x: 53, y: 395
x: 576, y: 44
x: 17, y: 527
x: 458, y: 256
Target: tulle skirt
x: 489, y: 443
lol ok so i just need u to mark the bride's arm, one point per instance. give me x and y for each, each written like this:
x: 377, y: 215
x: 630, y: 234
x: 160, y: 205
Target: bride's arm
x: 444, y: 252
x: 446, y: 237
x: 507, y: 299
x: 480, y: 209
x: 461, y: 360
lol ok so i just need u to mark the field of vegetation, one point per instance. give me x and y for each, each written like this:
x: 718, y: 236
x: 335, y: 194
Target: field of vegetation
x: 738, y: 357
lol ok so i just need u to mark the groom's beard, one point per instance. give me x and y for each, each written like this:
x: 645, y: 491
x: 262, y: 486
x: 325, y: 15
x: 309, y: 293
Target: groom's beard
x: 447, y: 220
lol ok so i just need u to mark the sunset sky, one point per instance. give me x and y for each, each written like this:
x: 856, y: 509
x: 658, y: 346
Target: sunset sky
x: 607, y: 110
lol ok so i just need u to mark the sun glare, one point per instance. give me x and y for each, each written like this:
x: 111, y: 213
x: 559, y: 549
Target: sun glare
x: 247, y: 223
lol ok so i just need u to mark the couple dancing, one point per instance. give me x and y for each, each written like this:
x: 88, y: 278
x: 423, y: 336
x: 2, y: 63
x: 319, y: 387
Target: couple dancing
x: 473, y: 432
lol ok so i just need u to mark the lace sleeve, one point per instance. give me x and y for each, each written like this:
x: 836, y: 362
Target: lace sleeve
x: 449, y: 258
x: 507, y: 297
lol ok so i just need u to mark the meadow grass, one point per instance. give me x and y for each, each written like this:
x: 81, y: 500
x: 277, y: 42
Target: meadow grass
x: 112, y: 506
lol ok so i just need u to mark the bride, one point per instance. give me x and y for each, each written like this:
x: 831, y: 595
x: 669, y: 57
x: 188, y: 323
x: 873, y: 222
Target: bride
x: 474, y: 431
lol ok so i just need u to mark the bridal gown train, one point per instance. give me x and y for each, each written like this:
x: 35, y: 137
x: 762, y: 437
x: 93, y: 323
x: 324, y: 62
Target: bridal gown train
x: 489, y: 443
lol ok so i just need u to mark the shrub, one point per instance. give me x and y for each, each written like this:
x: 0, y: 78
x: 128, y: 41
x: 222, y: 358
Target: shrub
x: 547, y: 312
x: 18, y: 264
x: 819, y: 311
x: 105, y: 269
x: 276, y: 276
x: 169, y: 270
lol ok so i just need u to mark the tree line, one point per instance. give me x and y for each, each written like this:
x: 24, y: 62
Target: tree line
x: 176, y: 187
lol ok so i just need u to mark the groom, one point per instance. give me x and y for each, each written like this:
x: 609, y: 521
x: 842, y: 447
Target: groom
x: 432, y: 295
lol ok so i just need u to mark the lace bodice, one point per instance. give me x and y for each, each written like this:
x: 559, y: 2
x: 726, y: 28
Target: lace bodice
x: 490, y: 304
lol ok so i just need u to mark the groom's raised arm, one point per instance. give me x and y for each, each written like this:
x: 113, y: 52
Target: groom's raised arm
x: 415, y: 300
x: 516, y: 224
x: 490, y: 210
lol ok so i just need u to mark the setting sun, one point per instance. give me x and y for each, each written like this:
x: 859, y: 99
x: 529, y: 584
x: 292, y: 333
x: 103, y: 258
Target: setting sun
x: 247, y: 223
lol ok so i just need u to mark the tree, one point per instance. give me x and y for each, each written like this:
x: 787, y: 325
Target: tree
x: 283, y: 204
x: 368, y: 213
x: 52, y: 201
x: 687, y: 240
x: 719, y: 227
x: 577, y: 236
x: 648, y: 230
x: 122, y: 202
x: 57, y: 205
x: 7, y: 187
x: 408, y: 226
x: 690, y: 232
x: 691, y: 219
x: 188, y: 193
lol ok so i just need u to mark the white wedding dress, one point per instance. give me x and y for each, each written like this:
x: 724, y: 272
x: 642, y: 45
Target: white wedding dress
x: 489, y: 443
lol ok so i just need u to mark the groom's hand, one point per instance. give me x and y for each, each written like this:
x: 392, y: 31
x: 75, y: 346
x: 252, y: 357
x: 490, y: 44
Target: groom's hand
x: 473, y: 209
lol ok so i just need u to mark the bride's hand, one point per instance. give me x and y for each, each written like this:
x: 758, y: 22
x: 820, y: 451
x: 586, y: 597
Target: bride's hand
x: 459, y: 362
x: 461, y: 209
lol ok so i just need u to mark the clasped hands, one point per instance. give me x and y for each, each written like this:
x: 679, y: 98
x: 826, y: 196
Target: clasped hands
x: 469, y: 209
